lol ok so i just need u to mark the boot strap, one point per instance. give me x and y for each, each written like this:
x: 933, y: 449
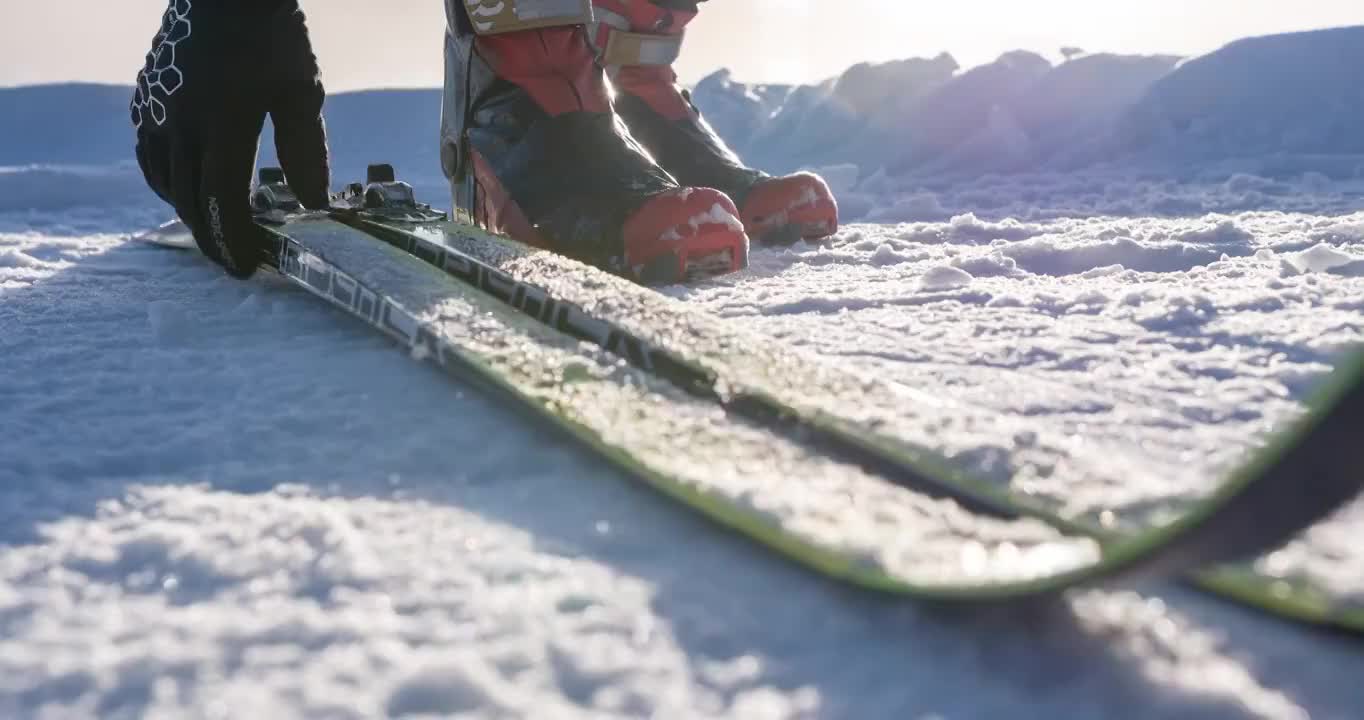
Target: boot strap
x: 494, y: 17
x: 617, y: 46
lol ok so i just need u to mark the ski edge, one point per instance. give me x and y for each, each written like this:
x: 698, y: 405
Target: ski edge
x: 1299, y: 603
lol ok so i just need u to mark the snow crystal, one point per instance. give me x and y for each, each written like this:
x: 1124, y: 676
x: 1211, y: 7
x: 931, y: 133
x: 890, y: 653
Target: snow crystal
x: 1005, y: 301
x: 1320, y: 258
x: 886, y: 255
x: 1225, y: 232
x: 462, y: 685
x: 1104, y: 271
x: 967, y: 228
x: 945, y: 277
x: 392, y: 552
x: 1178, y: 313
x: 1354, y: 268
x: 993, y: 264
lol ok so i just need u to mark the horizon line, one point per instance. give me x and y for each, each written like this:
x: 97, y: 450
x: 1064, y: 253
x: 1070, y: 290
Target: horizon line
x: 1049, y: 56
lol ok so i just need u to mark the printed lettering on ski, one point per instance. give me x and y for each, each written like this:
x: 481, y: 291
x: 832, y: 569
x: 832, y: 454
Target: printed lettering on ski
x: 1305, y: 471
x: 540, y: 305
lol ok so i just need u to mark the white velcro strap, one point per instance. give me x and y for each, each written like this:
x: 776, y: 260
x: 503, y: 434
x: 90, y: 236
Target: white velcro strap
x: 627, y: 48
x: 493, y: 17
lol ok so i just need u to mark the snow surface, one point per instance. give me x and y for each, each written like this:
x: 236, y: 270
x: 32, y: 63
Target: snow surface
x: 223, y: 499
x: 226, y: 500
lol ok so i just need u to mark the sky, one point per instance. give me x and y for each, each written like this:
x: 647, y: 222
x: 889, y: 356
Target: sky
x: 397, y: 43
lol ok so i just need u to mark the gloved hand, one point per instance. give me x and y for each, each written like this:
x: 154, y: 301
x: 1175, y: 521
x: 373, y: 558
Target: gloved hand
x: 215, y: 70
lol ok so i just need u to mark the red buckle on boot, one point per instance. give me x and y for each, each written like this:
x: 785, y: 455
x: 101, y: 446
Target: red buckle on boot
x: 640, y: 16
x: 638, y: 41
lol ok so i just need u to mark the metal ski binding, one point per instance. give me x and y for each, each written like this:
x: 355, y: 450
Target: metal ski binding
x: 384, y: 196
x: 272, y: 193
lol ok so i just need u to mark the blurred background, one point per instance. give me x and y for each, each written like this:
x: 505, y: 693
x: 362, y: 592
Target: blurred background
x: 396, y: 43
x: 886, y: 99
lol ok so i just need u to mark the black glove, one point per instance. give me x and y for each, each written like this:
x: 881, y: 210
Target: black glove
x: 215, y: 70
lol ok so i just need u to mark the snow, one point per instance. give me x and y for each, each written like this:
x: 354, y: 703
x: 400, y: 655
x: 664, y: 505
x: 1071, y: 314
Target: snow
x: 1279, y: 105
x: 224, y: 499
x: 945, y: 277
x: 1321, y: 258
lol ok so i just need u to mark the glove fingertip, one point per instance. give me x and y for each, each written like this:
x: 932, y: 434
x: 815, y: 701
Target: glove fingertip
x: 305, y: 158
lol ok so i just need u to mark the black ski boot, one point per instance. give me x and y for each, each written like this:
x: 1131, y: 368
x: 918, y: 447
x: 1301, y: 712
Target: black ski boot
x: 534, y: 150
x: 637, y: 42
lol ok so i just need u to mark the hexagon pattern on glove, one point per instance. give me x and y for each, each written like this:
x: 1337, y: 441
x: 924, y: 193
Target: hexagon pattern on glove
x: 160, y: 78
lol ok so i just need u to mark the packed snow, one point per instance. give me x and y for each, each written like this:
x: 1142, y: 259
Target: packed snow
x: 225, y: 499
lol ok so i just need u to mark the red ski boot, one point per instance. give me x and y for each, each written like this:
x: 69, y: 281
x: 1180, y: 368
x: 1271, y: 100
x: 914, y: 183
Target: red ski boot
x: 534, y: 150
x: 637, y: 42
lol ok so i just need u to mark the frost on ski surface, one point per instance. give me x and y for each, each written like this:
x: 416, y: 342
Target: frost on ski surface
x: 1084, y: 473
x: 221, y: 499
x: 829, y: 505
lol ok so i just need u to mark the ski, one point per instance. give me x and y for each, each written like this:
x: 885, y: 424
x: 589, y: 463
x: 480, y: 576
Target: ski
x: 1300, y: 476
x: 891, y: 523
x: 761, y: 482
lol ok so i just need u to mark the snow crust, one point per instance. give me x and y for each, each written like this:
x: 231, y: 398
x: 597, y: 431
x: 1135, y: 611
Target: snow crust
x: 1106, y: 279
x: 221, y: 499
